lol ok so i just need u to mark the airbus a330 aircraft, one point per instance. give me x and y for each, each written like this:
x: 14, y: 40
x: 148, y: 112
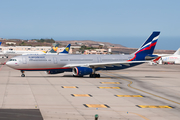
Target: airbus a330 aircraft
x: 82, y: 65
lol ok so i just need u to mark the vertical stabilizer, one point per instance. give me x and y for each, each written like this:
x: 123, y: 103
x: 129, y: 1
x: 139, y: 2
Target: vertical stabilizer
x: 177, y: 52
x: 147, y: 47
x: 66, y: 50
x: 54, y: 49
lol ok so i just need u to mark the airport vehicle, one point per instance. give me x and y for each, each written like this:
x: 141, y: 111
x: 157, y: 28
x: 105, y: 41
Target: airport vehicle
x: 170, y: 59
x: 82, y: 65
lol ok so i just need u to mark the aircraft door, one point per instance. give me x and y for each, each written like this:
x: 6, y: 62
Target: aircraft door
x: 24, y: 60
x: 55, y: 60
x: 99, y: 59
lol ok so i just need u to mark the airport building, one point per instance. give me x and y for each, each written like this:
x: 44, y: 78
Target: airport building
x: 96, y: 51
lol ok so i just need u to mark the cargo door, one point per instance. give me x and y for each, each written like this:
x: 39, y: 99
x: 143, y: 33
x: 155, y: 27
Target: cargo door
x: 99, y: 59
x: 24, y: 60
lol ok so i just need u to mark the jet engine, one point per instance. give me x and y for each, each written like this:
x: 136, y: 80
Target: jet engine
x: 54, y: 72
x: 150, y: 57
x: 80, y: 71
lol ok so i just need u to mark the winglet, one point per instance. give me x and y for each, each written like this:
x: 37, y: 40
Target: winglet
x: 66, y: 50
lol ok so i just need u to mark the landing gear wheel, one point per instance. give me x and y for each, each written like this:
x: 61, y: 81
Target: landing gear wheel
x: 23, y: 75
x: 94, y: 75
x: 98, y: 75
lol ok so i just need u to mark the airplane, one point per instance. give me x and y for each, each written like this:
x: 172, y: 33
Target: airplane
x: 66, y: 50
x: 81, y: 65
x: 17, y: 52
x: 0, y: 43
x: 53, y: 51
x: 174, y: 58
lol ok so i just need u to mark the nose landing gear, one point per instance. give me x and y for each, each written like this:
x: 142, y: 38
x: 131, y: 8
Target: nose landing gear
x: 22, y: 75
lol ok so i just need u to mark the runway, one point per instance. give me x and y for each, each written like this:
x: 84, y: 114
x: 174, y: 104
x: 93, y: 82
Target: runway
x: 143, y: 92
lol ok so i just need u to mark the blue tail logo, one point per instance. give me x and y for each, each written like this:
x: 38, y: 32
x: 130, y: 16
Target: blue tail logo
x: 0, y: 43
x: 147, y: 48
x: 66, y: 50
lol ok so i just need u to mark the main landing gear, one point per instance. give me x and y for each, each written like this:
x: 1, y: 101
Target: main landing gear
x: 94, y: 75
x: 22, y: 75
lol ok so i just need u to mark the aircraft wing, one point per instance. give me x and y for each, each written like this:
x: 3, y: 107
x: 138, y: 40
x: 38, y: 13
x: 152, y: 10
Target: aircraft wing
x: 104, y: 64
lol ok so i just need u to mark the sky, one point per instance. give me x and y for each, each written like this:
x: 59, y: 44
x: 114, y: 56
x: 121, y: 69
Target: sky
x: 125, y: 22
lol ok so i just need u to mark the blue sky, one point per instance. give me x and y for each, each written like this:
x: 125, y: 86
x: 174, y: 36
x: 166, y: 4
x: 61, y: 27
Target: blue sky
x: 126, y: 22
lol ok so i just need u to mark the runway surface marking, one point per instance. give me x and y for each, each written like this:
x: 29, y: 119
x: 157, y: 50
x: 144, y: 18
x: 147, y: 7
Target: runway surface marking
x: 69, y: 87
x: 128, y: 95
x: 81, y: 95
x: 110, y: 82
x: 129, y: 85
x: 3, y: 64
x: 1, y: 67
x: 96, y: 105
x: 109, y: 87
x: 139, y: 115
x: 154, y: 106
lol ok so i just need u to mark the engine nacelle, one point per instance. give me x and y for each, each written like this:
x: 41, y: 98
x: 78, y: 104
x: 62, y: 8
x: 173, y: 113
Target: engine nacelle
x: 54, y: 72
x: 150, y: 57
x: 80, y: 71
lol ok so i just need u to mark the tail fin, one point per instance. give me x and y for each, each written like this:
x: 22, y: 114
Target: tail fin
x: 177, y: 52
x: 0, y: 43
x: 66, y: 50
x: 54, y: 49
x: 147, y: 48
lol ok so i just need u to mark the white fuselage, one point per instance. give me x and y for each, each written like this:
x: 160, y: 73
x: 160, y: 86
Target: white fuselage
x: 12, y: 52
x: 173, y: 58
x: 48, y: 62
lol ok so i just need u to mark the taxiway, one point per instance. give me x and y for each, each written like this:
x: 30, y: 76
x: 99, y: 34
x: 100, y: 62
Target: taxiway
x: 143, y: 92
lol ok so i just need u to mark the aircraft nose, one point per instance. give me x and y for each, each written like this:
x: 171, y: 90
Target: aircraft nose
x: 9, y: 64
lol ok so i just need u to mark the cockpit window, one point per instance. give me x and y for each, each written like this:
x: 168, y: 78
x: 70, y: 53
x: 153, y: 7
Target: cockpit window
x: 12, y: 60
